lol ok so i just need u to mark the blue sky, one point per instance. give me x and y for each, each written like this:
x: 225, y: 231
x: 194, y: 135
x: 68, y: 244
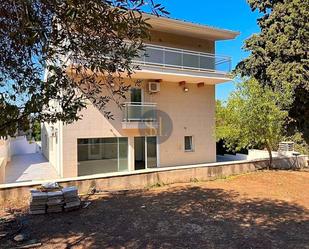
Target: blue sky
x: 228, y: 14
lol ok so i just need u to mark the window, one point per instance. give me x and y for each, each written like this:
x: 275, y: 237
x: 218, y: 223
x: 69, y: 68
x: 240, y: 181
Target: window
x: 188, y: 143
x: 102, y: 155
x: 136, y: 95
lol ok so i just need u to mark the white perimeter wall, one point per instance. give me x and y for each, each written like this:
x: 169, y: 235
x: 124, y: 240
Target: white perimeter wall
x: 20, y: 146
x: 5, y: 150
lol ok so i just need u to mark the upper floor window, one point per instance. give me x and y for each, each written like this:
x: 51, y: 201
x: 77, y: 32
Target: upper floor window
x: 188, y: 143
x: 136, y: 95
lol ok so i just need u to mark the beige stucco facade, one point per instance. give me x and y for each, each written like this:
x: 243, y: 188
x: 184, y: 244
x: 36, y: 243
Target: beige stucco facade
x: 192, y: 112
x: 180, y: 41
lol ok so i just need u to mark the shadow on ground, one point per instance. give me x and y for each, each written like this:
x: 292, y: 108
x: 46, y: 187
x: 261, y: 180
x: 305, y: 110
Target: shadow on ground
x: 192, y: 217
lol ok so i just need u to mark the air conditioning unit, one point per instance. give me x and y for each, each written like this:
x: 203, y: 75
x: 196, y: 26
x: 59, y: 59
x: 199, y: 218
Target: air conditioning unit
x: 154, y: 87
x: 286, y: 146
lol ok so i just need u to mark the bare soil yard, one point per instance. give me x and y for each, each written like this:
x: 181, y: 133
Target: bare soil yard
x: 264, y: 210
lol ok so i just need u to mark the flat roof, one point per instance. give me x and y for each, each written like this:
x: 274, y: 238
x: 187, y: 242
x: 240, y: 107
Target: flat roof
x: 180, y: 27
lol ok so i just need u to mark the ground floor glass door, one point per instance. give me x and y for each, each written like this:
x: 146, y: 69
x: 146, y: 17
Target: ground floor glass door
x: 151, y: 146
x: 145, y: 152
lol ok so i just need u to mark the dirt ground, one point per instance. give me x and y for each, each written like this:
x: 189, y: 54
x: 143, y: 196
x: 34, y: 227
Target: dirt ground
x: 264, y: 210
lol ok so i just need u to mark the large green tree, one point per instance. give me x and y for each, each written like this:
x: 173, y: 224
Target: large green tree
x: 279, y: 57
x: 251, y: 117
x: 90, y: 36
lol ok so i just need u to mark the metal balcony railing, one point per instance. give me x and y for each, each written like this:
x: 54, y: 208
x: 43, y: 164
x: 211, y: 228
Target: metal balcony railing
x: 183, y: 59
x: 139, y: 112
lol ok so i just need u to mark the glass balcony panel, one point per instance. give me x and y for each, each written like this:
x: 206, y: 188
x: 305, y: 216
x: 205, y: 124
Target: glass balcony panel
x: 207, y: 63
x: 222, y: 65
x: 173, y: 58
x: 191, y: 61
x: 154, y: 55
x: 139, y: 112
x: 141, y: 56
x: 181, y: 59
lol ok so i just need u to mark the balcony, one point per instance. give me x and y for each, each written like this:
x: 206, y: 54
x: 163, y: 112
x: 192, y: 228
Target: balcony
x: 183, y: 61
x: 175, y: 65
x: 138, y: 115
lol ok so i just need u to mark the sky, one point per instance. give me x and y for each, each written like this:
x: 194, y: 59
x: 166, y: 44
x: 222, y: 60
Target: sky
x: 234, y: 15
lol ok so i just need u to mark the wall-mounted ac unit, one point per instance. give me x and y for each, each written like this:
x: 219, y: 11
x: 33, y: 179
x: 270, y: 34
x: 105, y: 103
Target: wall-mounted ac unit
x: 154, y: 87
x: 286, y: 146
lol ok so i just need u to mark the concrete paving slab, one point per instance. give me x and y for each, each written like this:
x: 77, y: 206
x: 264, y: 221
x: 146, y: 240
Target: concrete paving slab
x: 29, y: 167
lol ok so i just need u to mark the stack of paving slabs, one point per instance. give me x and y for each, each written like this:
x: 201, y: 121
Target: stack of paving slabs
x: 52, y: 198
x: 55, y: 201
x: 71, y: 199
x: 38, y: 202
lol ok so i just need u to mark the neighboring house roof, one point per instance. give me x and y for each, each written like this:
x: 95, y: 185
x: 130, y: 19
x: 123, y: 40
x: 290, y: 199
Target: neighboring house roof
x: 182, y: 27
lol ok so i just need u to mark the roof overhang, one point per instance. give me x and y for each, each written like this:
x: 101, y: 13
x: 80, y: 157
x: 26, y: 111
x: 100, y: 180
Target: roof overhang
x: 179, y: 27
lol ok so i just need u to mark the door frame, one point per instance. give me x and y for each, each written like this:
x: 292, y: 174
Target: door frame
x: 146, y: 152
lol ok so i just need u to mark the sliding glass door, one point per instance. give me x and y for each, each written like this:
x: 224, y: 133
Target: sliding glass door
x: 123, y: 154
x: 102, y: 155
x: 145, y: 152
x: 151, y: 146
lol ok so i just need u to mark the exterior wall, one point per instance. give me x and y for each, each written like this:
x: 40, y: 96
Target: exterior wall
x: 192, y: 114
x: 92, y: 125
x: 44, y: 140
x: 3, y: 163
x: 51, y: 145
x: 20, y: 146
x: 5, y: 157
x: 183, y: 42
x: 5, y: 149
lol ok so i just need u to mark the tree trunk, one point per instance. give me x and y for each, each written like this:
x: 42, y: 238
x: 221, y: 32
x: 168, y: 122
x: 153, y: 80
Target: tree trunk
x: 270, y: 166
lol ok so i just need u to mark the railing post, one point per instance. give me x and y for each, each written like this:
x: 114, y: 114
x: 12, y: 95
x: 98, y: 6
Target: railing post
x: 181, y: 60
x: 127, y: 112
x: 164, y: 57
x: 230, y: 64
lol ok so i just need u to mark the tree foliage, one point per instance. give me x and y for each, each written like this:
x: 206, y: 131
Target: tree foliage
x: 251, y: 117
x: 279, y: 56
x: 89, y: 36
x: 36, y: 131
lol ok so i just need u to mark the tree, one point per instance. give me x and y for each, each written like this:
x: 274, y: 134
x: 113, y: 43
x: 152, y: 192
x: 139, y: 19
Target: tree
x: 85, y: 38
x: 251, y: 118
x: 279, y: 57
x: 36, y: 131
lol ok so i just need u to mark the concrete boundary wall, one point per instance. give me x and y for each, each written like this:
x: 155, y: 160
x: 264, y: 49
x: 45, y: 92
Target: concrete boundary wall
x: 20, y: 146
x: 5, y: 151
x: 3, y: 163
x: 10, y: 193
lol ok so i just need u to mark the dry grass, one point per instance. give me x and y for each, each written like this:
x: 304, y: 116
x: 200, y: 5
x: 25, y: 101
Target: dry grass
x: 267, y: 209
